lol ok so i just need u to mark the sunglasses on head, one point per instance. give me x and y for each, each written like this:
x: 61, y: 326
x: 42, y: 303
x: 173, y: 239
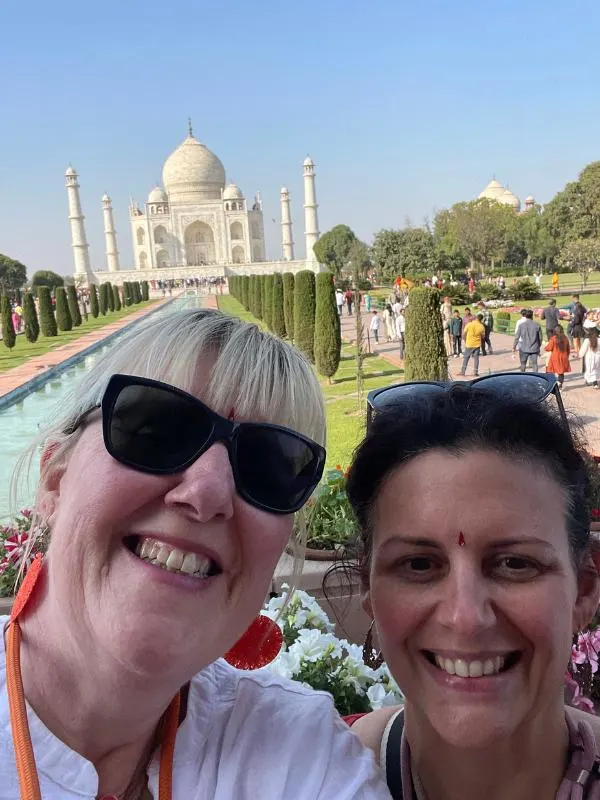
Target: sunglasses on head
x: 156, y: 428
x: 524, y: 387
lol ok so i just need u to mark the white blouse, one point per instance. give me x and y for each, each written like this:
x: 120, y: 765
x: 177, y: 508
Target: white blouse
x: 247, y: 735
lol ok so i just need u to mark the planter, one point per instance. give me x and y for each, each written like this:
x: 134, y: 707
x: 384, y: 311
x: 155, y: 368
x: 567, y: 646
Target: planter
x: 315, y: 554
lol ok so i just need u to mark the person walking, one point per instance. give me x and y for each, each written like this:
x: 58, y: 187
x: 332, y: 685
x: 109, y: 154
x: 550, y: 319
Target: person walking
x: 551, y: 315
x: 339, y: 301
x: 467, y: 317
x: 374, y: 326
x: 368, y: 303
x: 390, y: 326
x: 578, y: 315
x: 473, y: 335
x: 488, y: 324
x: 555, y: 282
x: 529, y: 341
x: 400, y: 329
x: 559, y: 350
x: 456, y: 326
x: 471, y: 285
x: 590, y: 353
x: 446, y: 312
x: 349, y: 297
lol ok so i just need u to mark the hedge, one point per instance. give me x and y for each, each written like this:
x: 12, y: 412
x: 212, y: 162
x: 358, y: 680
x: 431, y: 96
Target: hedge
x: 288, y: 303
x: 426, y: 358
x: 73, y: 305
x: 304, y: 312
x: 328, y: 336
x: 94, y: 307
x: 9, y: 337
x: 277, y: 316
x: 30, y: 318
x: 63, y: 315
x: 47, y: 319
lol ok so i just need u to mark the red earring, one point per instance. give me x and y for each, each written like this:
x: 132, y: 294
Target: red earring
x: 258, y: 646
x: 27, y: 587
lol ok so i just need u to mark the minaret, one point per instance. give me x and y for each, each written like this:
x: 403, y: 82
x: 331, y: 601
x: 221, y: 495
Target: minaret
x: 81, y: 254
x: 287, y: 240
x: 311, y: 223
x: 110, y: 235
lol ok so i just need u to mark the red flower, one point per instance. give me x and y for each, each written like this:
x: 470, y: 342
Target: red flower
x: 595, y: 513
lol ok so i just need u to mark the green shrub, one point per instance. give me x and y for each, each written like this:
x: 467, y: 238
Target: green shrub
x: 137, y: 292
x: 116, y: 297
x: 459, y: 295
x: 30, y: 318
x: 277, y: 317
x: 63, y: 315
x: 127, y: 294
x: 524, y: 290
x: 9, y: 337
x: 502, y: 321
x: 94, y: 307
x: 426, y: 358
x: 73, y: 305
x: 246, y: 292
x: 328, y: 337
x: 47, y: 320
x: 145, y: 291
x: 110, y: 298
x: 258, y: 297
x: 268, y: 306
x: 489, y: 291
x: 304, y: 312
x: 103, y: 299
x: 288, y: 303
x: 45, y: 277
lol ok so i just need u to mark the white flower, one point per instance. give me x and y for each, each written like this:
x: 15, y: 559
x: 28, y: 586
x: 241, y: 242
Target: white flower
x: 311, y: 645
x: 378, y: 697
x: 286, y: 665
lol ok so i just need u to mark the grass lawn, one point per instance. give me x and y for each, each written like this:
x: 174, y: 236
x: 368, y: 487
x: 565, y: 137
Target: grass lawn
x: 24, y: 350
x: 345, y: 420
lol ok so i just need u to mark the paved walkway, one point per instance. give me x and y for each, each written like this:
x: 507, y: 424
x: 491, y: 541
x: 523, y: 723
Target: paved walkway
x: 578, y: 398
x: 13, y: 378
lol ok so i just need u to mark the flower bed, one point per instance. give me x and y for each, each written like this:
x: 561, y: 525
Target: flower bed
x: 13, y: 543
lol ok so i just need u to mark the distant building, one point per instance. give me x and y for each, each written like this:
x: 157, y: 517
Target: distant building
x: 496, y: 191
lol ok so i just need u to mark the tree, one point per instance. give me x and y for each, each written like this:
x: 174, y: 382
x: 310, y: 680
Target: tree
x: 30, y: 318
x: 47, y: 320
x: 73, y: 305
x: 145, y: 291
x: 45, y: 277
x: 426, y: 358
x: 246, y: 292
x: 94, y: 307
x: 102, y: 299
x: 409, y: 251
x: 63, y: 315
x: 116, y: 297
x: 581, y: 255
x: 328, y: 337
x: 110, y: 298
x: 574, y: 213
x: 333, y: 248
x: 9, y: 336
x: 277, y: 315
x: 288, y: 303
x: 304, y: 312
x: 258, y: 297
x: 537, y: 240
x: 13, y: 274
x: 268, y: 302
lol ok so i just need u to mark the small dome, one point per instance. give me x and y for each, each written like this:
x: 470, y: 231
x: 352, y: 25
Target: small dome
x: 308, y: 162
x: 70, y: 171
x: 530, y: 200
x: 105, y: 198
x: 193, y: 173
x: 157, y: 195
x: 232, y: 192
x: 507, y: 198
x: 284, y: 190
x: 493, y: 191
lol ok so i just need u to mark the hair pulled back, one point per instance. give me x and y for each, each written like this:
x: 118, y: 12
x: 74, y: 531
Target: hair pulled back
x: 458, y: 421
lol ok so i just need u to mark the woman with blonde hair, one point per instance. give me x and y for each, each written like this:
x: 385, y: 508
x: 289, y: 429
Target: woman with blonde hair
x: 166, y: 496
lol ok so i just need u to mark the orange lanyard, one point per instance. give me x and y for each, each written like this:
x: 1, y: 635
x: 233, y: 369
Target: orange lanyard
x: 26, y: 769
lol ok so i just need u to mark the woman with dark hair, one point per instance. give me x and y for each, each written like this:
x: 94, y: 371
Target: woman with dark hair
x: 477, y: 572
x: 590, y: 354
x: 559, y: 350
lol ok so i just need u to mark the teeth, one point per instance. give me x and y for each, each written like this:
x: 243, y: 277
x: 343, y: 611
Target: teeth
x: 172, y: 559
x: 470, y: 669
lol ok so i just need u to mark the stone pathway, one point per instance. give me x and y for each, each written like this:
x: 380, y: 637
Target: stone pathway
x: 13, y: 378
x: 578, y: 398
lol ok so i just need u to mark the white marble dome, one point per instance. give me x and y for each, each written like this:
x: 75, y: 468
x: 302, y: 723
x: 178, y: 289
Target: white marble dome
x: 193, y: 173
x: 493, y: 191
x: 232, y: 192
x: 508, y: 198
x: 157, y: 195
x: 70, y: 171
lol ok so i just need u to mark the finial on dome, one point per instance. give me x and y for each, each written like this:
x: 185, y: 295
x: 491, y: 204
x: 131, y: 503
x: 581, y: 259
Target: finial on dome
x: 190, y: 131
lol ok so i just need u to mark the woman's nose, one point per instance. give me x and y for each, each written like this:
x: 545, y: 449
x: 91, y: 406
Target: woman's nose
x: 466, y: 605
x: 206, y: 488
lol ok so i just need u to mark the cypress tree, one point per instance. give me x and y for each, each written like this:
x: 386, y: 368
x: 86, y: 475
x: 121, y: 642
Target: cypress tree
x: 73, y: 305
x: 110, y: 299
x: 246, y: 292
x: 426, y: 358
x: 254, y: 295
x: 137, y: 292
x: 304, y: 312
x: 268, y: 309
x: 145, y: 291
x: 47, y: 320
x: 277, y: 317
x: 116, y: 297
x: 94, y: 307
x: 288, y: 303
x: 102, y: 302
x: 9, y: 337
x: 63, y: 315
x: 127, y: 300
x: 328, y: 337
x: 259, y: 296
x: 30, y: 318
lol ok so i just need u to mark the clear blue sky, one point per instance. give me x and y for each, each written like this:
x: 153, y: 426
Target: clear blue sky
x: 405, y: 107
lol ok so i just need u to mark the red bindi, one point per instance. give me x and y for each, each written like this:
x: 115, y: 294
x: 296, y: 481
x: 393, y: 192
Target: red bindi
x: 461, y: 539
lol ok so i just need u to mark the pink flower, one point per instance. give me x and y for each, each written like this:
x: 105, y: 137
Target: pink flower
x: 14, y: 546
x: 586, y: 649
x: 578, y: 700
x: 26, y: 512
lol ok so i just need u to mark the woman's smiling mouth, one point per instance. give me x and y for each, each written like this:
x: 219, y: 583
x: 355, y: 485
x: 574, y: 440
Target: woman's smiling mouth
x: 172, y: 559
x: 474, y: 668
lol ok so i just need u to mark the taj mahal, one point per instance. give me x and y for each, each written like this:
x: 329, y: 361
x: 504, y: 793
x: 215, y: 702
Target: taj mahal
x: 194, y: 225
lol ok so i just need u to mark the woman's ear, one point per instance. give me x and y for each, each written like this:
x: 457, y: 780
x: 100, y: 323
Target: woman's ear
x: 588, y: 590
x: 51, y: 472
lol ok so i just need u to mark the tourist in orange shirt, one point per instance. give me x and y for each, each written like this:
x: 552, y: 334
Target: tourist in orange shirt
x: 559, y: 350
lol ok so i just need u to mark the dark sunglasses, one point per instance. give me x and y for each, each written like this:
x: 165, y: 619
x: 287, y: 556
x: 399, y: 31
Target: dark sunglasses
x: 524, y: 387
x: 154, y: 427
